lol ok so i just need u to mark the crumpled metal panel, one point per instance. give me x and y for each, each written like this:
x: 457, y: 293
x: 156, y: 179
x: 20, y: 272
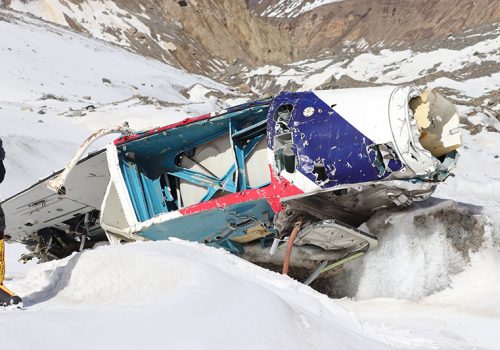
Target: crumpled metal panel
x: 323, y: 138
x: 334, y: 235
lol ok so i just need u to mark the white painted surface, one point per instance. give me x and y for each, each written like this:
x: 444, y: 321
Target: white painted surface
x: 216, y: 158
x: 366, y: 109
x: 257, y: 167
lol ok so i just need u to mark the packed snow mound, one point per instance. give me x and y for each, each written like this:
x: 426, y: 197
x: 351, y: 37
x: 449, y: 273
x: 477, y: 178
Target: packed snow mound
x: 432, y: 283
x: 177, y: 289
x: 109, y: 277
x: 421, y: 250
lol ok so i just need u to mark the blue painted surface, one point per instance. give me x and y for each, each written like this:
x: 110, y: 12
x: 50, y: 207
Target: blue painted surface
x: 134, y: 186
x: 151, y: 157
x: 214, y: 227
x: 153, y: 194
x: 322, y: 136
x: 326, y: 138
x: 155, y: 154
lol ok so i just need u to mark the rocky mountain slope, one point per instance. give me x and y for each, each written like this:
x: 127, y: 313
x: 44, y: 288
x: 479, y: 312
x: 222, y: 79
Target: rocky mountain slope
x: 321, y: 25
x: 465, y: 67
x: 214, y: 37
x: 202, y: 36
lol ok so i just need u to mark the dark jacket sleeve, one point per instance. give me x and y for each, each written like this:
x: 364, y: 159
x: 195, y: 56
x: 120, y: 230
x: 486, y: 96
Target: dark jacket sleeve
x: 2, y: 157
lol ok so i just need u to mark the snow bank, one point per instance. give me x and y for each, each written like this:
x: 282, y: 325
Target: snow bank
x: 459, y: 309
x: 423, y: 253
x: 421, y: 288
x: 179, y: 294
x: 420, y: 252
x: 475, y: 290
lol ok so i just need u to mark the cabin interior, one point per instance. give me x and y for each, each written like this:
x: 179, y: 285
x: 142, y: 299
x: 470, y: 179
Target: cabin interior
x: 196, y: 162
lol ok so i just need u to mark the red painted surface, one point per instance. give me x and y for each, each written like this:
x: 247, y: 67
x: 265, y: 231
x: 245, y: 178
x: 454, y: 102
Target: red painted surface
x: 277, y: 189
x: 133, y: 137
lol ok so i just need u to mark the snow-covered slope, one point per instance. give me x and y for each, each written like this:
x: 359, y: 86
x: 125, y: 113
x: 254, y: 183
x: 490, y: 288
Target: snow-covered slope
x: 174, y: 295
x: 416, y: 291
x: 204, y: 36
x: 109, y: 22
x: 294, y: 8
x: 57, y: 87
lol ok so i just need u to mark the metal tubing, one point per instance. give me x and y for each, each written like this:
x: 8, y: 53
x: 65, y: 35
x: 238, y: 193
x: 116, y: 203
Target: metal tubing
x: 291, y: 239
x: 57, y: 184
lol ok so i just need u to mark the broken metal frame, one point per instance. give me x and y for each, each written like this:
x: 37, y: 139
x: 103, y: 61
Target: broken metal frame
x: 324, y: 267
x: 57, y: 184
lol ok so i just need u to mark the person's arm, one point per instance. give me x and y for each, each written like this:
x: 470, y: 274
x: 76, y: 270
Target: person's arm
x: 2, y: 157
x: 2, y: 171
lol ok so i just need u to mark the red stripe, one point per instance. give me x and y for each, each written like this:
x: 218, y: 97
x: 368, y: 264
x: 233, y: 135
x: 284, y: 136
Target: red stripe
x: 128, y: 138
x: 277, y: 189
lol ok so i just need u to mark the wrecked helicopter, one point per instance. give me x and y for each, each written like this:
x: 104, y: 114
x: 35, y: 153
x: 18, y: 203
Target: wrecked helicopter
x: 284, y: 182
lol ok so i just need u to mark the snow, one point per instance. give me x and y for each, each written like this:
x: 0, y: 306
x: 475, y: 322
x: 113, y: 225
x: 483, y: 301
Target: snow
x: 411, y: 325
x: 413, y: 292
x: 176, y: 294
x: 99, y: 18
x: 404, y: 66
x: 477, y: 178
x: 472, y: 87
x: 421, y: 270
x: 294, y: 8
x: 466, y: 315
x: 198, y: 93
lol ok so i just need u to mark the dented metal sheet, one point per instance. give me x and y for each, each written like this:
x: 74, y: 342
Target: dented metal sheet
x: 329, y: 150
